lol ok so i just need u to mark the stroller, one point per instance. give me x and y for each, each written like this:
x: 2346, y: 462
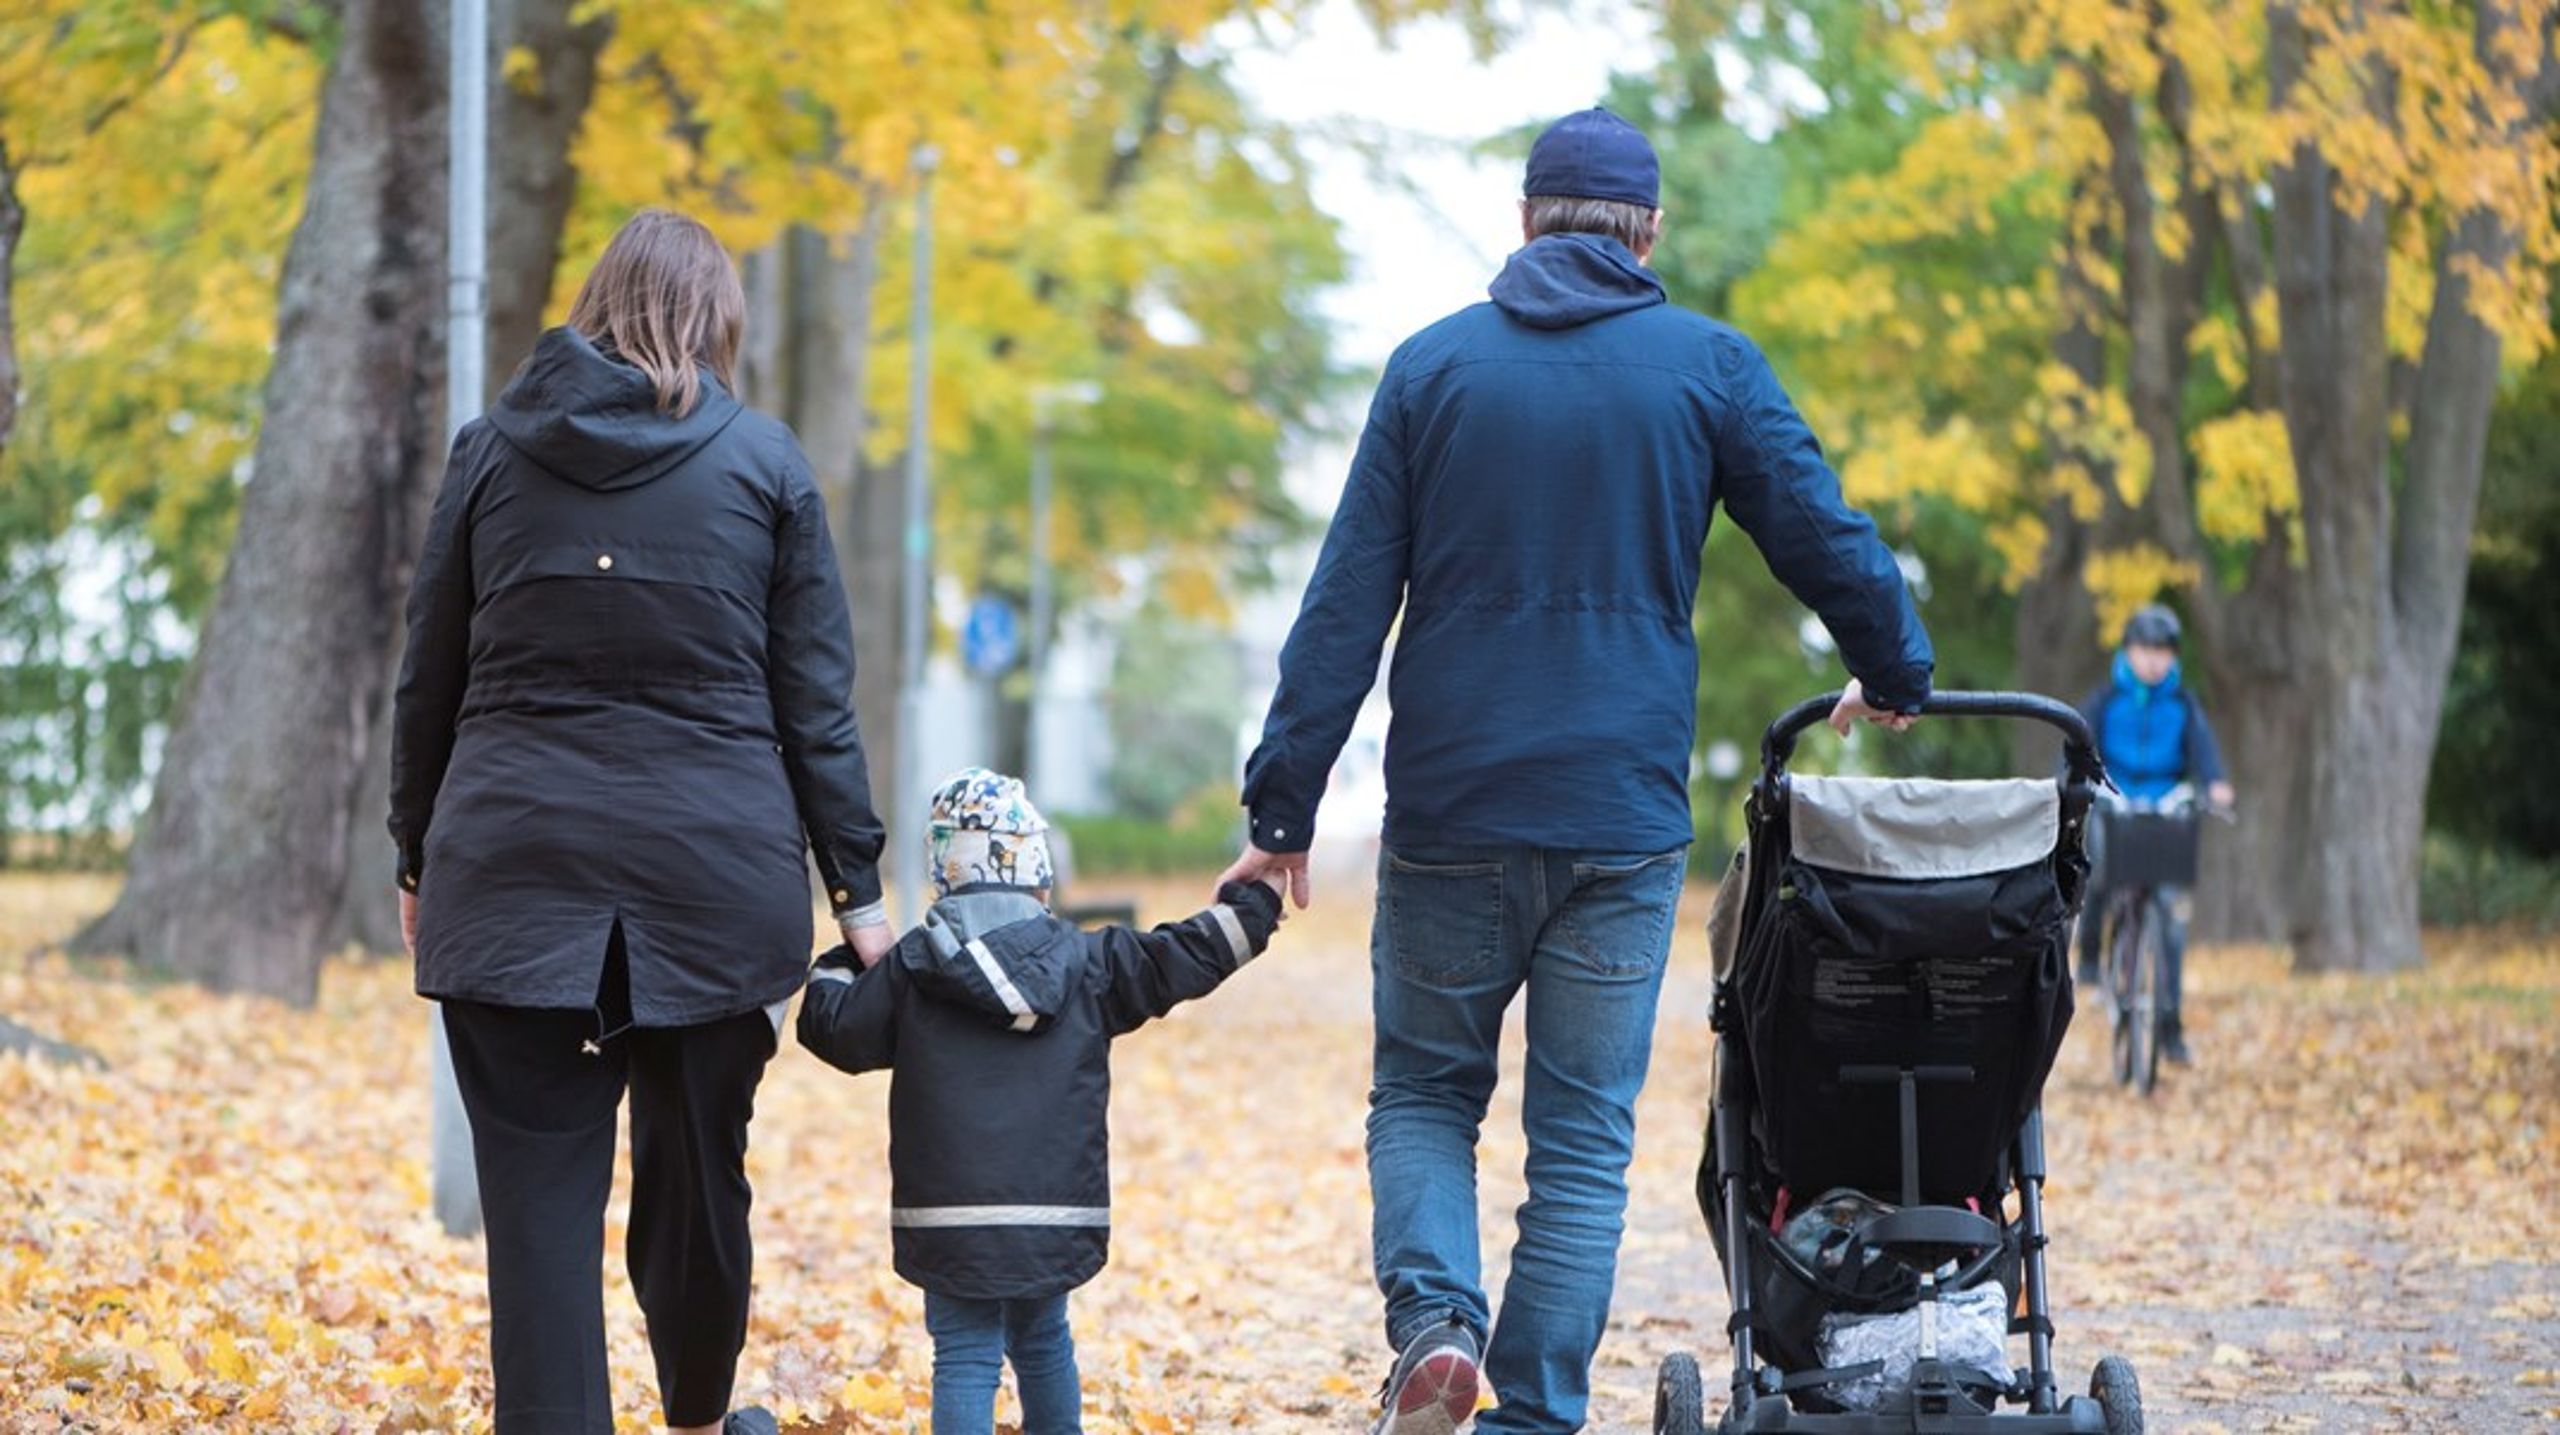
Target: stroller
x: 1893, y: 981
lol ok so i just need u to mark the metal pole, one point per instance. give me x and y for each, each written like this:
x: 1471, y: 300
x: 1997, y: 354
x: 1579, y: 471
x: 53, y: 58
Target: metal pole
x: 1045, y: 402
x: 467, y: 216
x: 911, y: 780
x: 456, y: 1178
x: 1037, y: 651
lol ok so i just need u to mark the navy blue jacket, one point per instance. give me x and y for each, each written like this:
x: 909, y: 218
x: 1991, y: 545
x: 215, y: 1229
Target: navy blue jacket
x: 997, y: 1018
x: 1533, y: 491
x: 2152, y: 738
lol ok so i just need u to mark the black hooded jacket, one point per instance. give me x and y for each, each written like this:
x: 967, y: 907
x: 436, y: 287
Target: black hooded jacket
x: 997, y: 1018
x: 626, y: 699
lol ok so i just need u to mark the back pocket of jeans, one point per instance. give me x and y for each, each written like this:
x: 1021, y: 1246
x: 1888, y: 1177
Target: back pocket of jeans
x: 1618, y: 920
x: 1444, y: 921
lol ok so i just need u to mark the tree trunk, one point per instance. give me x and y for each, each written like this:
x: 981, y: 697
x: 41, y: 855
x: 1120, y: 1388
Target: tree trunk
x: 2058, y: 645
x: 764, y: 379
x: 532, y: 125
x: 236, y: 877
x: 2356, y: 906
x: 827, y: 307
x: 2253, y: 868
x: 2357, y: 909
x: 2058, y: 648
x: 13, y: 221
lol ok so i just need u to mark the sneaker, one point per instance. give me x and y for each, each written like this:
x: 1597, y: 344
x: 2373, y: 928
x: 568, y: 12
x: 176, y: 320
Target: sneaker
x: 1432, y: 1390
x: 754, y: 1420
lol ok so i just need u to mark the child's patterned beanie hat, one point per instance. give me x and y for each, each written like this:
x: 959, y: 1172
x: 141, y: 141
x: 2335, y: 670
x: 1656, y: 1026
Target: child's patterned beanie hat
x: 983, y: 830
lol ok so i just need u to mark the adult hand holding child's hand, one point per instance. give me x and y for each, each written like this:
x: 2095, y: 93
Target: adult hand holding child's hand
x: 869, y: 942
x: 1285, y: 872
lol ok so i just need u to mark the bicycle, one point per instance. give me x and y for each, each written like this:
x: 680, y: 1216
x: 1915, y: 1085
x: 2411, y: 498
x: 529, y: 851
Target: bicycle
x: 2142, y: 849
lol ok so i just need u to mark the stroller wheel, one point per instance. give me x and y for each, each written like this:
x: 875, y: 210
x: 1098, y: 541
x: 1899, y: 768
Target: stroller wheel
x: 2118, y: 1394
x: 1680, y: 1397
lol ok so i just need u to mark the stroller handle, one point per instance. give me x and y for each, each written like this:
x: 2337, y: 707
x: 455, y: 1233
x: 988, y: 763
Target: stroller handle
x: 2079, y: 746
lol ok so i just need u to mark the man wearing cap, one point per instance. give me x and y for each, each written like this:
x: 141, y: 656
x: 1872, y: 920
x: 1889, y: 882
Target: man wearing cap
x: 1532, y: 493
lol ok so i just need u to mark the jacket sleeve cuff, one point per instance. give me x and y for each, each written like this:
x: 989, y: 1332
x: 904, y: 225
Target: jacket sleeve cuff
x: 1277, y: 830
x: 851, y: 890
x: 1905, y: 696
x: 412, y: 865
x: 1255, y: 909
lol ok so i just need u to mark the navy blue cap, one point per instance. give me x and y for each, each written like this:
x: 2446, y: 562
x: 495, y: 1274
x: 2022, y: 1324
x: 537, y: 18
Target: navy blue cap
x: 1594, y: 155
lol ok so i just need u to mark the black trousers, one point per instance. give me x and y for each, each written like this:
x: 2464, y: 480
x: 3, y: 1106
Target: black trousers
x: 542, y: 1087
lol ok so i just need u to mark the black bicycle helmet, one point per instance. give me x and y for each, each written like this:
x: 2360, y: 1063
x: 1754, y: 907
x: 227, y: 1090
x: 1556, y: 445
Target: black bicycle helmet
x: 2153, y: 627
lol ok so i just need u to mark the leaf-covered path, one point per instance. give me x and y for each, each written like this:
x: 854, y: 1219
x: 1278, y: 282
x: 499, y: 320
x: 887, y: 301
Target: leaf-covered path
x: 2341, y: 1219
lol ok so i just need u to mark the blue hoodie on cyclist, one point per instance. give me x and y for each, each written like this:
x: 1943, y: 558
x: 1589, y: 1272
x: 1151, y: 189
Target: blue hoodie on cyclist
x: 2152, y: 735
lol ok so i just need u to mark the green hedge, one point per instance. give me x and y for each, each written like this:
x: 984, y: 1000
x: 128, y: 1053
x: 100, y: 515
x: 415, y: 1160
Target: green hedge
x: 1204, y: 836
x: 2462, y: 884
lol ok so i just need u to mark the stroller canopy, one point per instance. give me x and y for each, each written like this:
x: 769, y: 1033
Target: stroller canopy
x: 1918, y: 828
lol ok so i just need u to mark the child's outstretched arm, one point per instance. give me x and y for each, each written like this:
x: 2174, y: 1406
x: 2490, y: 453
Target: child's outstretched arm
x: 849, y: 1017
x: 1150, y: 973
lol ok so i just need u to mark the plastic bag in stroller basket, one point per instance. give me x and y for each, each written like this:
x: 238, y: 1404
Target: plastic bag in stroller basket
x: 1973, y: 1328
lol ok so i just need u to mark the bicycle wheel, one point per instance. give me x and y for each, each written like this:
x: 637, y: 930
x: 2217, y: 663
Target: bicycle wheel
x: 2123, y: 948
x: 2150, y: 997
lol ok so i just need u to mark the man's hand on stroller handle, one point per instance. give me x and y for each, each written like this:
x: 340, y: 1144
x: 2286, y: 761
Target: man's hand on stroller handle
x: 1853, y: 706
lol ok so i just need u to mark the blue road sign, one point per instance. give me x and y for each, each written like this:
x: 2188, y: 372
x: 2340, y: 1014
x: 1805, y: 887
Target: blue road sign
x: 991, y: 641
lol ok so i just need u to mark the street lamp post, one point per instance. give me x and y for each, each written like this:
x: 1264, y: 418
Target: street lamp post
x: 918, y: 549
x: 455, y: 1178
x: 1045, y: 402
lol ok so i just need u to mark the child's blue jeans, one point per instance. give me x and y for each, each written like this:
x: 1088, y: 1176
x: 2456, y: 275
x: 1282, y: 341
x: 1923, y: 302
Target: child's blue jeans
x: 971, y: 1341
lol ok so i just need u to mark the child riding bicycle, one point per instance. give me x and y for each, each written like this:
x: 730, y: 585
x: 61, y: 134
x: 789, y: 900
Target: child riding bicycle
x: 2154, y: 737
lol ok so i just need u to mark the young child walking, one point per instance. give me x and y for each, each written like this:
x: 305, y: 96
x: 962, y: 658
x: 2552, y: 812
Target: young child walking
x: 996, y: 1018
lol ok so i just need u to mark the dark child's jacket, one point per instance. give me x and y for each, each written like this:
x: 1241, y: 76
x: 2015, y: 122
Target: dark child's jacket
x: 996, y: 1018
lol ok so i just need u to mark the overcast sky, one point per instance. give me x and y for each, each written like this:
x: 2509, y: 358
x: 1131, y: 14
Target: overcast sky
x: 1417, y: 256
x: 1425, y: 239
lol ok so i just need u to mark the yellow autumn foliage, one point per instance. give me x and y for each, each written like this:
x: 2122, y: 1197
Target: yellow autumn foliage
x: 162, y: 167
x: 2244, y: 475
x: 2124, y: 579
x: 1930, y: 385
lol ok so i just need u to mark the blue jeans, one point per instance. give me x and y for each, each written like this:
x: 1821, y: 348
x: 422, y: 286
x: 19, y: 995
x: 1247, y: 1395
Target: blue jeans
x: 1459, y: 933
x: 971, y: 1341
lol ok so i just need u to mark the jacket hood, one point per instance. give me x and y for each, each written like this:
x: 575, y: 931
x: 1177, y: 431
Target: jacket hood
x: 1562, y: 281
x: 2141, y: 691
x: 998, y: 952
x: 590, y: 419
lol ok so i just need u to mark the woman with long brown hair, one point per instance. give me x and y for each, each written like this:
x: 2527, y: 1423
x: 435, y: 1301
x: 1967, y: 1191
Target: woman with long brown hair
x: 623, y: 718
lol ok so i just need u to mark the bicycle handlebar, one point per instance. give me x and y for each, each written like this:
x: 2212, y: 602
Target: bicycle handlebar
x: 2079, y: 746
x: 2181, y: 801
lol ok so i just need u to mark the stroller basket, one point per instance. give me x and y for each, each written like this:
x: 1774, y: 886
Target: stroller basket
x: 1899, y: 987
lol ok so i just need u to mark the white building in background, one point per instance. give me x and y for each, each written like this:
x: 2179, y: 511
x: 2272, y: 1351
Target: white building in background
x: 1071, y: 747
